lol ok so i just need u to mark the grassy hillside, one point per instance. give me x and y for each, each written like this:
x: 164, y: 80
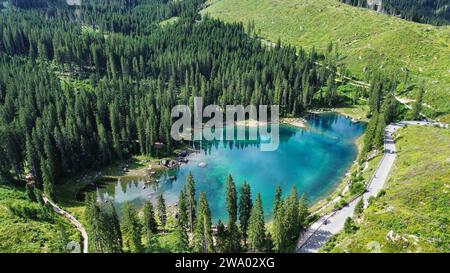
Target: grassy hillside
x: 415, y: 203
x: 31, y: 232
x: 366, y: 39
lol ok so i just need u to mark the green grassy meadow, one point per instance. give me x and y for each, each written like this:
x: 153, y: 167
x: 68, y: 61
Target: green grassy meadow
x: 365, y: 39
x: 24, y: 233
x: 415, y: 202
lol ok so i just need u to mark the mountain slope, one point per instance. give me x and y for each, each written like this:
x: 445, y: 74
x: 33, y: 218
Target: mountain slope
x: 412, y: 215
x: 25, y: 227
x: 366, y: 39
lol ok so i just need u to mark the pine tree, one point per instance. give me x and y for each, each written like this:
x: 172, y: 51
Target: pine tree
x: 418, y: 104
x: 280, y: 236
x: 47, y: 178
x: 181, y: 225
x: 231, y: 199
x: 291, y: 215
x: 233, y: 234
x: 233, y: 238
x: 97, y: 226
x: 256, y: 228
x: 303, y: 212
x: 190, y: 201
x: 203, y: 241
x: 331, y: 90
x: 221, y: 238
x: 370, y: 134
x: 162, y: 214
x: 116, y: 232
x: 149, y: 225
x: 378, y: 140
x: 277, y: 201
x: 32, y: 157
x: 131, y: 229
x: 389, y: 108
x: 245, y: 208
x: 182, y: 210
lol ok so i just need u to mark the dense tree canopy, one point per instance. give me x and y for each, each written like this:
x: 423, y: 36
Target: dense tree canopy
x: 77, y: 97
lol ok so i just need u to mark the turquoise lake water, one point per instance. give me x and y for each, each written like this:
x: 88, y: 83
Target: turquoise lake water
x: 313, y: 159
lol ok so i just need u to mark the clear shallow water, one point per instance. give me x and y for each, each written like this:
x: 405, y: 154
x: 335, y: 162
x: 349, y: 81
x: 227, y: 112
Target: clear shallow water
x: 314, y: 160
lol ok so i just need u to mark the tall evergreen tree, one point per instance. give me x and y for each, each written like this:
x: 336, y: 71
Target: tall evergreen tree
x: 245, y: 208
x: 233, y: 234
x: 231, y: 199
x: 114, y: 231
x: 291, y: 214
x: 418, y: 104
x: 303, y: 212
x: 203, y: 240
x: 149, y: 225
x: 280, y: 236
x: 162, y: 213
x: 190, y: 200
x: 131, y: 229
x: 256, y: 228
x: 181, y: 225
x: 277, y: 201
x: 221, y: 238
x: 47, y: 177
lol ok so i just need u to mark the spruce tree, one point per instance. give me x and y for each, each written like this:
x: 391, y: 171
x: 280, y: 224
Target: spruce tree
x: 418, y: 104
x: 231, y: 199
x: 291, y: 215
x: 131, y: 229
x: 203, y: 240
x: 182, y: 211
x: 48, y: 180
x: 149, y: 225
x: 256, y: 228
x: 280, y: 236
x: 190, y: 201
x: 303, y: 212
x: 277, y: 201
x: 245, y: 208
x: 181, y: 225
x: 182, y: 244
x: 233, y: 234
x: 114, y: 231
x: 162, y: 213
x: 221, y: 238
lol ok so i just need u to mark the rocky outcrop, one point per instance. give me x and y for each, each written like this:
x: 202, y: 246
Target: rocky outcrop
x: 376, y: 5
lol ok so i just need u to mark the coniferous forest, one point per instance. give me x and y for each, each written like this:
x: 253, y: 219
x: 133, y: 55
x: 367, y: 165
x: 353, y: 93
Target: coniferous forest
x: 85, y: 86
x: 137, y: 73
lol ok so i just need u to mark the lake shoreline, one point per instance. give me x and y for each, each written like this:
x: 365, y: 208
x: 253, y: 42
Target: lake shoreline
x: 142, y: 163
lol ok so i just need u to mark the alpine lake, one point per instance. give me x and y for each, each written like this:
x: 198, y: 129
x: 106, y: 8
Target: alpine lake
x: 314, y: 159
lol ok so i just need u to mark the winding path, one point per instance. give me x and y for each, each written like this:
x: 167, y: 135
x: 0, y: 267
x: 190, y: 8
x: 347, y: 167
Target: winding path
x: 317, y: 234
x: 72, y: 220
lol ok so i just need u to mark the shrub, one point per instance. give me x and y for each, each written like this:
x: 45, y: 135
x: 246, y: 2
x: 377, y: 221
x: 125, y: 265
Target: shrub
x: 357, y: 188
x: 359, y: 208
x: 28, y: 210
x: 381, y: 193
x: 350, y: 226
x: 30, y: 192
x: 342, y: 203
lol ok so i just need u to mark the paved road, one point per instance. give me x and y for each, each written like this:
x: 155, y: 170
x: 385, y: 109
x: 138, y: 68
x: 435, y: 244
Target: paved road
x: 320, y: 231
x: 316, y: 235
x: 72, y: 219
